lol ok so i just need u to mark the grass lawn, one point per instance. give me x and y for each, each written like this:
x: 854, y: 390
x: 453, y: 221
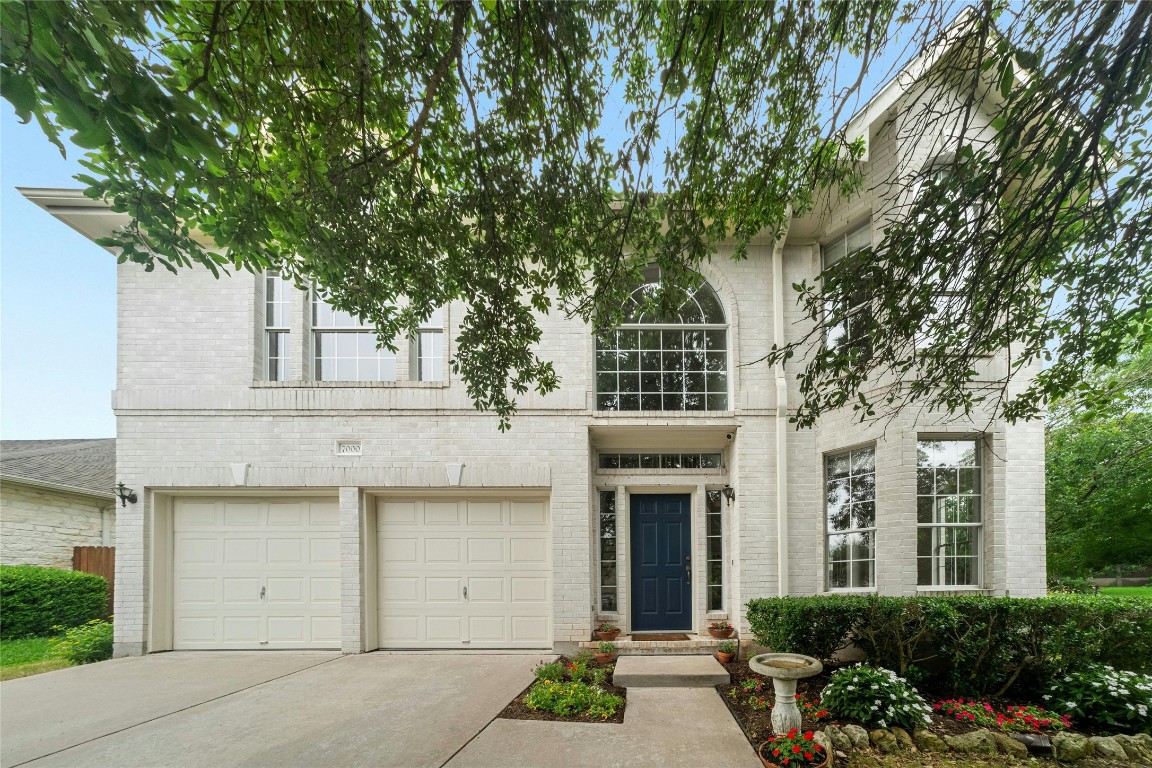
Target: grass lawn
x: 28, y: 656
x: 1141, y: 592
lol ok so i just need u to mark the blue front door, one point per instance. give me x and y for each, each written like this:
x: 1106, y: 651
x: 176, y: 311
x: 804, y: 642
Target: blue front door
x: 661, y: 532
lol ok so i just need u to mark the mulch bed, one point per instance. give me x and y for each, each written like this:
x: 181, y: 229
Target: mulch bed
x: 518, y: 710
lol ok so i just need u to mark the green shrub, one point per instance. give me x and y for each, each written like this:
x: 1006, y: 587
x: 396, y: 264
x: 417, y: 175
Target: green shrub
x: 1104, y: 696
x: 86, y: 643
x: 816, y: 626
x: 552, y: 671
x: 1072, y: 585
x: 875, y: 696
x: 34, y: 600
x: 572, y: 698
x: 969, y: 645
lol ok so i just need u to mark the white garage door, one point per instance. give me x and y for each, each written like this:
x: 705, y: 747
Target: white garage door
x: 256, y: 574
x: 472, y: 573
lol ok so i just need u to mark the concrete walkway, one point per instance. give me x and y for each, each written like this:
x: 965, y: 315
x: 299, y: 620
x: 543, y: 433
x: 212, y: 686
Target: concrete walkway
x: 667, y: 727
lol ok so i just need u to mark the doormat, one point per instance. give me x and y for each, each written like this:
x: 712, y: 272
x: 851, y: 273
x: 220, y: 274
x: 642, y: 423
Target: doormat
x: 649, y: 638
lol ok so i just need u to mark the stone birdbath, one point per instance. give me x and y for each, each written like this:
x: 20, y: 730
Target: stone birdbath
x: 785, y: 669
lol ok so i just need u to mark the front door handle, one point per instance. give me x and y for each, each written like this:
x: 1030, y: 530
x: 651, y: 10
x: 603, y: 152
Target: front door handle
x: 688, y: 571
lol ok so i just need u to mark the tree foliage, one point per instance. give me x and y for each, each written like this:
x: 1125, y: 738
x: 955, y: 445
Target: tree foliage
x: 533, y: 157
x: 1099, y: 472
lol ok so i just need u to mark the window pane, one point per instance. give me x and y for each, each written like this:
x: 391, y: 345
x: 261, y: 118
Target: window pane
x: 715, y: 548
x: 862, y: 573
x: 630, y: 461
x: 608, y: 599
x: 864, y: 515
x: 924, y: 510
x: 837, y: 575
x: 715, y: 598
x: 710, y: 461
x: 714, y: 525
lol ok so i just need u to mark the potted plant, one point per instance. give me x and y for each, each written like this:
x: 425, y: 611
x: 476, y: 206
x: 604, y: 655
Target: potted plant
x: 725, y: 651
x: 720, y: 628
x: 794, y: 749
x: 604, y: 652
x: 607, y: 631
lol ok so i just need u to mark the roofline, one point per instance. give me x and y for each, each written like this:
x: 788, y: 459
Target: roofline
x: 49, y: 486
x: 77, y: 445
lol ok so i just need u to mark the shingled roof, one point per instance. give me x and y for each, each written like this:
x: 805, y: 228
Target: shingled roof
x: 83, y: 466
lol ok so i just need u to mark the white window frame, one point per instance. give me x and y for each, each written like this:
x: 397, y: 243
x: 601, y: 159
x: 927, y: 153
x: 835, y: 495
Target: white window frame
x: 601, y: 495
x: 852, y: 241
x: 355, y: 327
x: 277, y: 311
x: 431, y: 331
x: 829, y: 531
x: 715, y: 495
x: 939, y: 568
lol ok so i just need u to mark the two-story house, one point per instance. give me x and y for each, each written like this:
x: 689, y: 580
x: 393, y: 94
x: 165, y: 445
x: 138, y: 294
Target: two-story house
x: 299, y: 488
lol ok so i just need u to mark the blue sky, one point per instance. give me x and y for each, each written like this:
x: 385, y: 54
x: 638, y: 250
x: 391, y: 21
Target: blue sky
x: 57, y: 302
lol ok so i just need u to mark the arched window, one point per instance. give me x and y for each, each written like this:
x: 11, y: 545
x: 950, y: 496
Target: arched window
x: 677, y: 362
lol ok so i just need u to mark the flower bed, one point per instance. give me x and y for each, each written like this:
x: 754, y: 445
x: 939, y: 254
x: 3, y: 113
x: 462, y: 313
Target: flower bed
x: 575, y: 690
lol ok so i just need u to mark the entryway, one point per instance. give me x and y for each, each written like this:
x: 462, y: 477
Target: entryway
x: 661, y: 549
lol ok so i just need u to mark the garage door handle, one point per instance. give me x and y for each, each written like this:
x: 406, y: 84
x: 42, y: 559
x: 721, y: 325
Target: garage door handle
x: 261, y: 593
x: 465, y: 593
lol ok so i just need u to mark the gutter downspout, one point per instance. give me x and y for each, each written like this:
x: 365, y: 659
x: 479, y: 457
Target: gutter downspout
x: 781, y: 418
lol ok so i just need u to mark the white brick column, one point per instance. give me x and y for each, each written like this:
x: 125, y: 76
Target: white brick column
x: 351, y: 571
x: 130, y: 634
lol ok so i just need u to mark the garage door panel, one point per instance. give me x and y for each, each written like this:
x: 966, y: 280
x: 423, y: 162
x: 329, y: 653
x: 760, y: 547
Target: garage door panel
x: 252, y: 574
x: 498, y: 549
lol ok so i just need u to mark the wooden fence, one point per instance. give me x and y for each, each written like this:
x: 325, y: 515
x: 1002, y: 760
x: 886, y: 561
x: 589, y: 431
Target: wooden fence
x: 100, y: 561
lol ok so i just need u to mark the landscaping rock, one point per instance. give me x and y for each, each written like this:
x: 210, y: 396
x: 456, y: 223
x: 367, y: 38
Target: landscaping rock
x: 1106, y: 746
x: 839, y: 739
x: 928, y: 741
x: 903, y: 739
x: 885, y: 741
x: 858, y: 735
x: 975, y: 743
x: 1134, y: 749
x: 822, y: 739
x: 1070, y: 747
x: 1009, y: 745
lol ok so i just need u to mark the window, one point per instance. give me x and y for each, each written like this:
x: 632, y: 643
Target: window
x: 659, y: 461
x: 948, y: 243
x: 427, y: 356
x: 277, y: 351
x: 850, y: 511
x: 669, y: 363
x: 608, y: 551
x: 948, y: 512
x: 346, y: 349
x: 847, y: 318
x: 714, y: 527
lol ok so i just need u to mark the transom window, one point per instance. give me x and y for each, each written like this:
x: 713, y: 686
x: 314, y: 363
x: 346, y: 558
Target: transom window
x: 674, y: 362
x: 847, y: 323
x: 659, y: 461
x: 850, y: 511
x: 345, y: 348
x: 948, y: 512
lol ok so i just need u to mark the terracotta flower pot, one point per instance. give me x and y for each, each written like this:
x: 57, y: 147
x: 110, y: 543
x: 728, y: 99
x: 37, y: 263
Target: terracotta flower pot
x: 827, y: 763
x: 603, y: 658
x: 607, y: 635
x: 724, y: 658
x: 721, y: 633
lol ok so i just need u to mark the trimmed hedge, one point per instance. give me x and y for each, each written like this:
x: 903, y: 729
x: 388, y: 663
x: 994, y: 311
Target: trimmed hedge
x: 35, y: 600
x: 971, y: 645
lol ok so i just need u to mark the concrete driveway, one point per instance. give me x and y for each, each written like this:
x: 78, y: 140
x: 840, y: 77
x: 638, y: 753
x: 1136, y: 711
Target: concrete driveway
x: 276, y: 709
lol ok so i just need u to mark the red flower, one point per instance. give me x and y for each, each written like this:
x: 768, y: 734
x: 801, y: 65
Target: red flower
x: 776, y: 753
x: 808, y: 736
x: 808, y: 755
x: 796, y: 748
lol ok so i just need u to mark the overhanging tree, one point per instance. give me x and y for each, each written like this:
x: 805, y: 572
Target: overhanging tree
x: 533, y: 157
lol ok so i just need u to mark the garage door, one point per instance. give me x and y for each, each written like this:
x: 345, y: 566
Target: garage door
x: 468, y: 573
x: 256, y: 574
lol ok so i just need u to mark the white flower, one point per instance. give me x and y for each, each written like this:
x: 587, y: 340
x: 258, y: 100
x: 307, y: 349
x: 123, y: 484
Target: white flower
x: 1046, y: 697
x: 1070, y: 704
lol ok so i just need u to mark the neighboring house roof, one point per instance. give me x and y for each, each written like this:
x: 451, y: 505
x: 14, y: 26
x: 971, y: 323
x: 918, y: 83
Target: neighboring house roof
x: 86, y: 467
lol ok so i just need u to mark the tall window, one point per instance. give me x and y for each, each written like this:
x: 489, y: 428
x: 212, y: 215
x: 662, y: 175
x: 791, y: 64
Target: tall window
x: 608, y: 585
x: 277, y: 351
x: 850, y: 512
x: 715, y: 529
x: 345, y: 348
x: 847, y: 323
x: 677, y: 362
x: 427, y: 356
x: 948, y: 512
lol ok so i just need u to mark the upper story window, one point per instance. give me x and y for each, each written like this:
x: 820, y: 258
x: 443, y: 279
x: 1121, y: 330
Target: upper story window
x: 948, y: 512
x: 427, y: 354
x: 847, y: 324
x: 345, y: 348
x: 677, y: 362
x: 277, y: 350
